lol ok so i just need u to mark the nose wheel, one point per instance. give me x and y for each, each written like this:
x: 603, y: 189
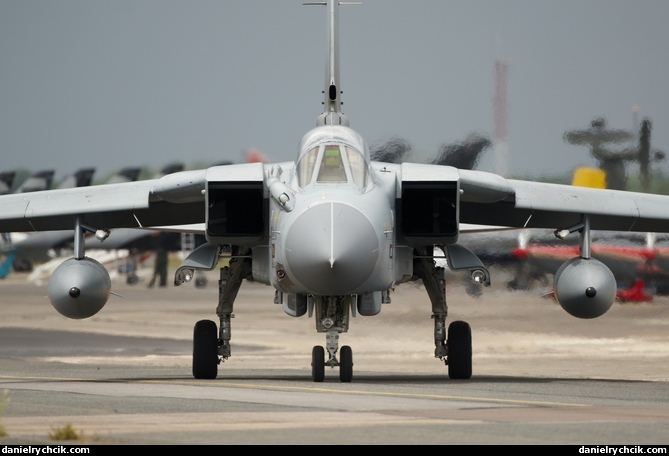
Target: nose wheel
x: 345, y: 363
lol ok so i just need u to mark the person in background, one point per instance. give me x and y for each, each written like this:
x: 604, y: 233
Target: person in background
x: 160, y: 263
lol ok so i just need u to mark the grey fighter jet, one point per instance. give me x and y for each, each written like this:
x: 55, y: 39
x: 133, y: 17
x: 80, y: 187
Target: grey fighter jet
x: 333, y: 233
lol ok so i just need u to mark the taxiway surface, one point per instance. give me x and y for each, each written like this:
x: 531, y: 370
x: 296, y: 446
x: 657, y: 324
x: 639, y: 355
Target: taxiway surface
x: 124, y: 375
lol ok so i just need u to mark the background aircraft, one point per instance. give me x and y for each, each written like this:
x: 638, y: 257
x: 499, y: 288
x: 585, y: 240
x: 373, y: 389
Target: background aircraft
x: 6, y: 181
x: 333, y: 233
x: 23, y: 250
x: 27, y: 248
x: 532, y: 257
x: 39, y: 181
x: 637, y: 260
x: 128, y: 249
x: 463, y: 155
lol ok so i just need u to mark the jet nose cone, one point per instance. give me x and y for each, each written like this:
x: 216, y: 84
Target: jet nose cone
x: 331, y: 249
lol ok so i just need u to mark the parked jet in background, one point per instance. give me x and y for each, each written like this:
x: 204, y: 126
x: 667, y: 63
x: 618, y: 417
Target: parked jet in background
x: 38, y: 181
x: 46, y: 247
x: 333, y: 233
x: 6, y: 181
x: 637, y: 260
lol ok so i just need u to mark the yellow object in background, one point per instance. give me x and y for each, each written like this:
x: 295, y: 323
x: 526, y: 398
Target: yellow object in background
x: 589, y: 177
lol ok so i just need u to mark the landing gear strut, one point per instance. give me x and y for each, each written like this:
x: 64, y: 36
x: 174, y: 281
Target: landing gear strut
x: 210, y: 348
x: 456, y: 349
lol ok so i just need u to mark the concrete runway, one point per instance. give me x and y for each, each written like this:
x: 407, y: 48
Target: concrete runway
x: 124, y: 375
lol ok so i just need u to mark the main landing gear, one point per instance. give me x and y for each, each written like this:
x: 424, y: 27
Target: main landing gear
x: 454, y: 347
x: 453, y: 344
x: 212, y: 346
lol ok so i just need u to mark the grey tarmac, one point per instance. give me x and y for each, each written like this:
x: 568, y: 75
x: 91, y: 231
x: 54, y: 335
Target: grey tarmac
x: 124, y: 376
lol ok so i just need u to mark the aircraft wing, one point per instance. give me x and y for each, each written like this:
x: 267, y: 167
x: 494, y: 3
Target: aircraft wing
x: 490, y: 199
x: 486, y: 199
x: 125, y: 205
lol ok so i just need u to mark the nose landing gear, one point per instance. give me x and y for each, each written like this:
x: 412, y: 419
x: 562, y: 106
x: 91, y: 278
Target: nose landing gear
x: 345, y: 362
x: 332, y: 318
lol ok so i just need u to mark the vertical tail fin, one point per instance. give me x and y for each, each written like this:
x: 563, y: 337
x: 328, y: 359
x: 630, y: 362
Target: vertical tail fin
x: 6, y: 181
x: 332, y: 114
x: 39, y: 181
x: 81, y: 178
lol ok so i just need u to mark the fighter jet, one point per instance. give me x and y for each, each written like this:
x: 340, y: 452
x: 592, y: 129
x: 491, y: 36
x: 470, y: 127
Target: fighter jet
x: 333, y: 233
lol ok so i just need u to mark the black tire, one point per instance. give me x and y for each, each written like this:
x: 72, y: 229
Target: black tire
x: 318, y: 364
x: 200, y: 282
x: 459, y: 350
x: 346, y: 364
x: 205, y: 350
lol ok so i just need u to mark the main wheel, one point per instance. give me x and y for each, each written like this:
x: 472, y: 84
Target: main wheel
x: 318, y: 364
x: 205, y: 350
x: 346, y: 364
x: 459, y: 350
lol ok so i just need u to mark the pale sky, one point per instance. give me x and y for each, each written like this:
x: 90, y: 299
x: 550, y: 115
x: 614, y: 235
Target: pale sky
x: 109, y: 84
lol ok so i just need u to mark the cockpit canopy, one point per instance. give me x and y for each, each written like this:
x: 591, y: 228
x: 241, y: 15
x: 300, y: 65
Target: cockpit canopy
x: 333, y: 154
